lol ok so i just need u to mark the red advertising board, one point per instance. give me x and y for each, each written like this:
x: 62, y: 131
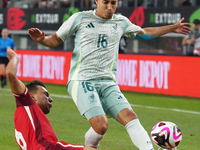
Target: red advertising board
x: 47, y: 66
x: 170, y: 75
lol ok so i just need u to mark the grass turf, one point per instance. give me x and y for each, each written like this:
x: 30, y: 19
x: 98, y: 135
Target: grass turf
x: 71, y: 127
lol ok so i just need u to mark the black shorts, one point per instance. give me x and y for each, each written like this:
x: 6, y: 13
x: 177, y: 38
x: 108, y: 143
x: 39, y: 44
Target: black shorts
x: 4, y: 60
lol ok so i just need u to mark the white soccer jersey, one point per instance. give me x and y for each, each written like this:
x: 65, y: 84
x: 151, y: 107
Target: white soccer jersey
x: 96, y: 44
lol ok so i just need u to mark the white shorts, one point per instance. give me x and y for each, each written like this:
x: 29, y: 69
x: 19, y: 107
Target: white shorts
x: 97, y: 97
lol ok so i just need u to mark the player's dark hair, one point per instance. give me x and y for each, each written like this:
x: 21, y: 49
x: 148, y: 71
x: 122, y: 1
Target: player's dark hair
x: 32, y: 86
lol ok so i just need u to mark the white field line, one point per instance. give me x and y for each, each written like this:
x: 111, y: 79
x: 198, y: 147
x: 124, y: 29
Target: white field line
x: 133, y: 105
x: 5, y: 90
x: 168, y: 109
x: 53, y: 95
x: 2, y: 93
x: 60, y: 96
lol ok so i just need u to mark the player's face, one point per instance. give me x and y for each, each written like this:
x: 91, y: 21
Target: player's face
x: 43, y: 99
x: 4, y: 33
x: 106, y: 8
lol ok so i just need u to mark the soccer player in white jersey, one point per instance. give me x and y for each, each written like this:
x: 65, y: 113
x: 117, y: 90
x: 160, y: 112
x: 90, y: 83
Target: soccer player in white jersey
x: 91, y: 82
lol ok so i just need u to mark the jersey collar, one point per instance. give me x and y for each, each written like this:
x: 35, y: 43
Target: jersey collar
x: 94, y: 13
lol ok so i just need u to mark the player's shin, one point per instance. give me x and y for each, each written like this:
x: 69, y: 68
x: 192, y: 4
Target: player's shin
x: 92, y: 139
x: 138, y: 135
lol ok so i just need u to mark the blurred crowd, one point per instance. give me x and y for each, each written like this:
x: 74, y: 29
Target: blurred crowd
x: 163, y: 3
x: 90, y: 3
x: 60, y: 3
x: 45, y: 3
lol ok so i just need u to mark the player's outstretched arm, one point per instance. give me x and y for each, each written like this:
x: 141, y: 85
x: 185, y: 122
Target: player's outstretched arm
x: 11, y: 69
x: 52, y: 40
x: 178, y: 27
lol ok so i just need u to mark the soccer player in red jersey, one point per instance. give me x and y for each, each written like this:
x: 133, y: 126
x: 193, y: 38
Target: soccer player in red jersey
x: 33, y: 130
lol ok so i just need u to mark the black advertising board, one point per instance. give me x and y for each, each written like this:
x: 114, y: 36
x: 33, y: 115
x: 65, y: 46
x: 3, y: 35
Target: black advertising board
x: 44, y: 19
x: 51, y: 19
x: 153, y: 17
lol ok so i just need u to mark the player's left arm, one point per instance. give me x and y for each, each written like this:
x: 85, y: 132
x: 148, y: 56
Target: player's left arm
x: 16, y: 85
x: 153, y: 32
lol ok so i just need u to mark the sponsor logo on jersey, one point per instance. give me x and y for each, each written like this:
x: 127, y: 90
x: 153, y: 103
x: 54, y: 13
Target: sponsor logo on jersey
x: 92, y: 98
x: 90, y: 25
x: 120, y: 97
x: 115, y: 27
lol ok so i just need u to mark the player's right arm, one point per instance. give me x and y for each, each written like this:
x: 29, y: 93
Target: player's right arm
x: 16, y: 85
x: 52, y: 40
x: 178, y: 27
x: 68, y: 28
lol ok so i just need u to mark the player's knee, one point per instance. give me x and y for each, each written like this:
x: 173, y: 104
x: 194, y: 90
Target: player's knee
x: 102, y: 127
x: 99, y: 124
x: 125, y: 116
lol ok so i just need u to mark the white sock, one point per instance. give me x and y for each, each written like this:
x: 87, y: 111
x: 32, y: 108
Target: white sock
x: 92, y: 139
x: 138, y: 135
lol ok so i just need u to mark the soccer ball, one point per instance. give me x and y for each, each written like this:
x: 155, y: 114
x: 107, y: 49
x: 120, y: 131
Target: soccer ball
x: 166, y: 135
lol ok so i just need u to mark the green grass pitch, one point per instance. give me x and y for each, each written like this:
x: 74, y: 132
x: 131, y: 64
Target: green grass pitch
x: 71, y: 127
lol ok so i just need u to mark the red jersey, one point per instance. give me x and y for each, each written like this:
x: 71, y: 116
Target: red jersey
x: 33, y: 130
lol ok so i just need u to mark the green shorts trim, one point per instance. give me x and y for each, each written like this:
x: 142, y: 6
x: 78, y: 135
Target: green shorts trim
x: 114, y: 111
x: 96, y: 111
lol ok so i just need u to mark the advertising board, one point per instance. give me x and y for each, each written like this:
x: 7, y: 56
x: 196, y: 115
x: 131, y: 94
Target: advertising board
x: 170, y: 75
